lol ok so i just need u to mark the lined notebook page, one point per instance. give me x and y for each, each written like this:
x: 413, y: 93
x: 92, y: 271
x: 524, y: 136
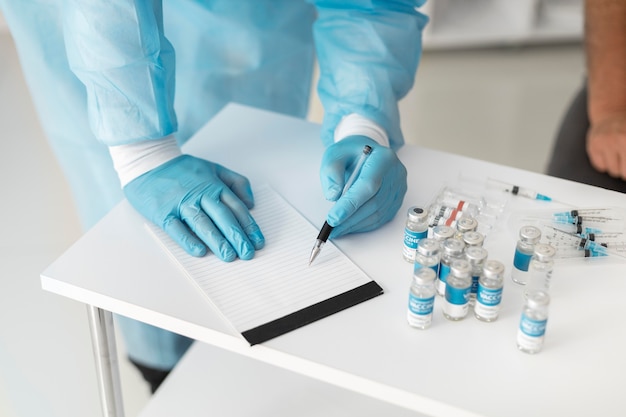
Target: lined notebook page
x: 278, y: 281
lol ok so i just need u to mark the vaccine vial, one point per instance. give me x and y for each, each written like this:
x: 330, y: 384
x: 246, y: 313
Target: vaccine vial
x: 489, y: 294
x: 532, y: 326
x: 448, y: 199
x: 427, y: 255
x: 421, y: 298
x: 458, y: 287
x: 540, y: 268
x: 473, y: 238
x: 440, y: 215
x: 476, y: 256
x: 465, y: 224
x: 437, y: 212
x: 528, y: 237
x: 442, y: 233
x: 451, y: 249
x: 416, y: 228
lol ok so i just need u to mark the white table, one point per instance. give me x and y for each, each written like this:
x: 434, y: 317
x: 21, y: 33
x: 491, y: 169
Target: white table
x: 468, y: 368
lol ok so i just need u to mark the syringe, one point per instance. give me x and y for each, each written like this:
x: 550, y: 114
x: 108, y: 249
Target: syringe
x: 567, y: 244
x: 576, y: 229
x: 609, y: 237
x: 516, y: 190
x: 591, y: 231
x: 559, y: 238
x: 616, y: 249
x: 593, y: 212
x: 583, y: 223
x: 596, y: 217
x: 563, y: 252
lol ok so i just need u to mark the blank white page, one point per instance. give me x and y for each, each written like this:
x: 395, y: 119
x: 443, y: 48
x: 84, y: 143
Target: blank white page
x: 277, y: 285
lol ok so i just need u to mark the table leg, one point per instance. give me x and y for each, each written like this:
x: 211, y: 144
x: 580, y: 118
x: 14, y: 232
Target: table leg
x: 105, y: 355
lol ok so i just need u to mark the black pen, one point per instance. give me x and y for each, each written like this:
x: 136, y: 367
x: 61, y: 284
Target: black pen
x: 322, y: 237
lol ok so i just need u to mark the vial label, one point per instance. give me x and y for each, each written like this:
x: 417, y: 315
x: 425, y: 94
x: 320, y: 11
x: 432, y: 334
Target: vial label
x: 521, y: 260
x: 411, y: 240
x: 444, y: 271
x: 531, y: 327
x: 530, y: 334
x: 527, y: 343
x: 489, y: 296
x: 455, y: 311
x: 488, y: 302
x: 420, y: 311
x: 433, y: 267
x: 457, y: 296
x: 475, y: 279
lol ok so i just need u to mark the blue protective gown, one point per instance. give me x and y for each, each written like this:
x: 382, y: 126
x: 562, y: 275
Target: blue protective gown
x: 115, y: 72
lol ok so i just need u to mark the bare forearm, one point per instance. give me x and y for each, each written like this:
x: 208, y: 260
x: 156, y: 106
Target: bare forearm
x: 605, y: 44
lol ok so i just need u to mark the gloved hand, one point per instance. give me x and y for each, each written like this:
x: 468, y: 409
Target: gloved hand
x: 188, y: 194
x: 375, y: 196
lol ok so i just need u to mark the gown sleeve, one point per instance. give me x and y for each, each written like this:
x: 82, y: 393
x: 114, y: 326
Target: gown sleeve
x: 368, y: 53
x: 118, y: 50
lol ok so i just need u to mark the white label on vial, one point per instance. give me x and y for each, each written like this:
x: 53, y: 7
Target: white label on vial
x: 531, y: 333
x: 420, y: 311
x: 455, y: 310
x: 457, y: 301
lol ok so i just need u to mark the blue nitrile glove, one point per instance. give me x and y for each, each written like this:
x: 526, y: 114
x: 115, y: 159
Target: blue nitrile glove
x: 189, y: 194
x: 376, y: 195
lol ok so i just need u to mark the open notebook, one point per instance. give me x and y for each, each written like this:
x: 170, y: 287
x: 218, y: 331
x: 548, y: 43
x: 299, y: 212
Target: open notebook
x: 277, y: 291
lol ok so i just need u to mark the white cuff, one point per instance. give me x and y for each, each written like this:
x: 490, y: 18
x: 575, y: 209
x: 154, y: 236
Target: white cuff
x: 355, y: 124
x: 132, y: 160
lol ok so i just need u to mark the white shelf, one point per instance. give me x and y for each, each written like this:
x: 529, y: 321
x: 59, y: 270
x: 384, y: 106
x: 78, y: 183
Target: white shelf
x: 478, y: 23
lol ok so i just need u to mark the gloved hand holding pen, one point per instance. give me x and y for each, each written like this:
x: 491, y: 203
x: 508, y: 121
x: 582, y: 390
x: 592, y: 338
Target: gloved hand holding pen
x: 199, y: 204
x: 376, y: 195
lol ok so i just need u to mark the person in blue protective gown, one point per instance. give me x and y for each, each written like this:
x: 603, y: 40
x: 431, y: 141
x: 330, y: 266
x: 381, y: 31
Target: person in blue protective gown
x: 120, y: 85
